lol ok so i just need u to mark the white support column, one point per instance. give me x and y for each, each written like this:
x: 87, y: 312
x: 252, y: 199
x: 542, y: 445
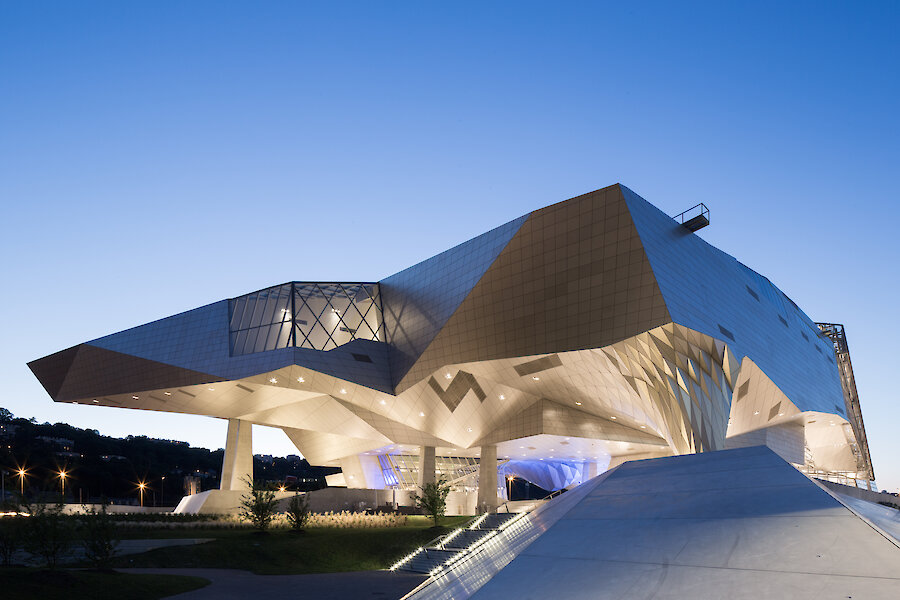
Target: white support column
x: 487, y: 479
x: 426, y: 466
x: 237, y: 466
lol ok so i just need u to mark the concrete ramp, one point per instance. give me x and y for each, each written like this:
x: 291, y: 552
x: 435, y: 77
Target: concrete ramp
x: 732, y: 524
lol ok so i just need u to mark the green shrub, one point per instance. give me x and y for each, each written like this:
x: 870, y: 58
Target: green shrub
x: 258, y: 506
x: 99, y: 536
x: 298, y: 511
x: 12, y: 535
x: 48, y: 532
x: 433, y: 499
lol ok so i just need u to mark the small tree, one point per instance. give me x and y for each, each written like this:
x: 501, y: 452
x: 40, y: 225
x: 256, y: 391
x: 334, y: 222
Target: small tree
x: 49, y: 533
x: 298, y: 512
x: 99, y: 536
x: 433, y: 499
x: 12, y: 533
x: 258, y: 506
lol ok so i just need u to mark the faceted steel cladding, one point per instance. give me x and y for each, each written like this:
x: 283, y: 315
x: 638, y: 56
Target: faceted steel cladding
x: 583, y: 333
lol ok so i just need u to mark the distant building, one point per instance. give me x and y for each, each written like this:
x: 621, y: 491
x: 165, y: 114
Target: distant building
x: 62, y: 443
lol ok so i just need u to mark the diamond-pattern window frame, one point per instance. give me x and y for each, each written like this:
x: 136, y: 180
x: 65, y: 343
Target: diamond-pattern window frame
x: 255, y: 324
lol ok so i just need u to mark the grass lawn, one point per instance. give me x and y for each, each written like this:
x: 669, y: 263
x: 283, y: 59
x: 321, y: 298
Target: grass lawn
x: 280, y: 552
x: 24, y: 583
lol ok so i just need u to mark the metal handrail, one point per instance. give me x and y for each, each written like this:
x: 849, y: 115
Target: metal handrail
x: 703, y: 211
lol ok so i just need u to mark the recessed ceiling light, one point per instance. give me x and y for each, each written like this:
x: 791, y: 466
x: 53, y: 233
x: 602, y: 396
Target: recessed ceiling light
x: 780, y: 414
x: 469, y: 429
x: 136, y: 398
x: 577, y: 403
x: 167, y: 393
x: 212, y: 389
x: 382, y: 402
x: 756, y: 412
x: 536, y: 378
x: 273, y: 380
x: 613, y: 417
x: 96, y: 401
x: 643, y: 427
x: 343, y: 391
x: 300, y: 380
x: 502, y: 397
x: 448, y: 376
x: 421, y: 414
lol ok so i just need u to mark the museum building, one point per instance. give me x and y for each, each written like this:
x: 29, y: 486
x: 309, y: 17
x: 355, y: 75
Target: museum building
x: 554, y: 347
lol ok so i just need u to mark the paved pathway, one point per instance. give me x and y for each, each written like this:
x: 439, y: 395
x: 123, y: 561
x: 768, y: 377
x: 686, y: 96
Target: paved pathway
x: 230, y: 584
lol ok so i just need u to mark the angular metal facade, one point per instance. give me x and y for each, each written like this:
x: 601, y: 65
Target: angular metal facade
x: 586, y: 332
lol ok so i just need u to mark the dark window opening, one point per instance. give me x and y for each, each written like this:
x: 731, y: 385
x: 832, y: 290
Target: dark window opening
x: 726, y: 333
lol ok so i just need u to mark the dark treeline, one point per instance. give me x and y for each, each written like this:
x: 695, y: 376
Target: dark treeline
x: 99, y: 466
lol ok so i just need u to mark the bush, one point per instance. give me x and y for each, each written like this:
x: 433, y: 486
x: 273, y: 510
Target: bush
x: 99, y: 536
x: 356, y: 520
x: 48, y: 532
x: 298, y: 512
x: 434, y: 499
x: 258, y: 506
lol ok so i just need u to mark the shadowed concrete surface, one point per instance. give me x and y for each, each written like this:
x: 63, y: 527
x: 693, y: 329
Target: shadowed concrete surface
x: 230, y: 584
x: 76, y: 553
x: 731, y: 524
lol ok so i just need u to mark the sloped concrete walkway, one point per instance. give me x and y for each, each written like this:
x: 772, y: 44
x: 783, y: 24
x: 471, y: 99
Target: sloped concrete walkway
x: 736, y: 524
x: 228, y: 584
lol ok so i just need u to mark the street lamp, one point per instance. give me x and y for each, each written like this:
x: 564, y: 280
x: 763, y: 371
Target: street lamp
x: 141, y: 487
x: 21, y: 473
x: 162, y: 490
x: 62, y: 481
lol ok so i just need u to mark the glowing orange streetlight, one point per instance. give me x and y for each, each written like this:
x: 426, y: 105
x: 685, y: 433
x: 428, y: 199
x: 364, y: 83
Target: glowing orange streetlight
x: 62, y: 481
x: 21, y: 473
x: 141, y: 487
x: 281, y: 489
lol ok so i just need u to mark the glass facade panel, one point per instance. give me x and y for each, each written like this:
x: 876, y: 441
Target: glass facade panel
x: 320, y: 316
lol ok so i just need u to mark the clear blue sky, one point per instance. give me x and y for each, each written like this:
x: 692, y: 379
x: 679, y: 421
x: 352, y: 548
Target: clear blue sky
x: 159, y: 156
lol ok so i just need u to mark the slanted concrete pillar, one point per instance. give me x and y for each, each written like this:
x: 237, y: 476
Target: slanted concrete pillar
x: 426, y: 466
x: 487, y: 479
x: 237, y: 466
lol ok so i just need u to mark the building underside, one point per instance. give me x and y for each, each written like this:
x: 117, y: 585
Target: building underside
x: 552, y: 348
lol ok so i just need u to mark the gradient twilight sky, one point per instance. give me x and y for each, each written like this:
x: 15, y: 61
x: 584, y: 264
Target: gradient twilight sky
x: 159, y: 156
